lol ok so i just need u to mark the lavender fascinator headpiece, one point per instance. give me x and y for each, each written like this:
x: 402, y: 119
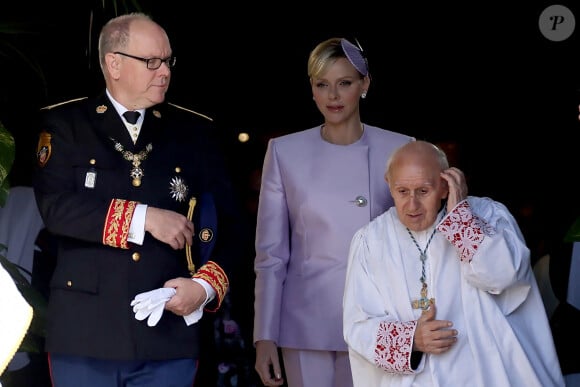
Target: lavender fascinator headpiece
x: 355, y: 56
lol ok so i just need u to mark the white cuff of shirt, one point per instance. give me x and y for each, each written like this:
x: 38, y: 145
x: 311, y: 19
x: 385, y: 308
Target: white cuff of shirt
x: 196, y: 315
x: 137, y: 228
x: 209, y: 291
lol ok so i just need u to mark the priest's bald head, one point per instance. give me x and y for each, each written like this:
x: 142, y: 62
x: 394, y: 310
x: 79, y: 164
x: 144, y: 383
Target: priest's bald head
x: 415, y: 174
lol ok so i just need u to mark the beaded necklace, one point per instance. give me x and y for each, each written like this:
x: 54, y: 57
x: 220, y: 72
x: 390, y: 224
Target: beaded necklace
x: 423, y: 302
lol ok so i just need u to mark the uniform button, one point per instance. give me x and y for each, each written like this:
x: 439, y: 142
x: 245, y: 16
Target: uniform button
x: 68, y: 284
x: 136, y: 257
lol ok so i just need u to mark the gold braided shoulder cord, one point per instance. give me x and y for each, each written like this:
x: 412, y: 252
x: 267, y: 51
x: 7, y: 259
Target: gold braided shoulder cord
x: 190, y: 264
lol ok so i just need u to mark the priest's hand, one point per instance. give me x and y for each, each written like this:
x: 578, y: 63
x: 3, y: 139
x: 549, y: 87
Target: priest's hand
x: 457, y: 186
x: 431, y: 335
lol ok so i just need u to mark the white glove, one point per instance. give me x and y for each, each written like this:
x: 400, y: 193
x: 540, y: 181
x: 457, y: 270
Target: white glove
x: 152, y: 304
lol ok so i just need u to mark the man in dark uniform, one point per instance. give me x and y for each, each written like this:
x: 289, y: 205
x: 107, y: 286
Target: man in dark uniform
x: 120, y: 193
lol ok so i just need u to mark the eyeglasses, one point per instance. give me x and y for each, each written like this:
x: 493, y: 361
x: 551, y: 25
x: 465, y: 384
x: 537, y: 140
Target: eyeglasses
x: 152, y: 63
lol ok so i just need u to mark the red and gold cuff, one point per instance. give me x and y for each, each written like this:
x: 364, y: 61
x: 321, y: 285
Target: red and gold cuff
x: 118, y: 222
x: 217, y: 278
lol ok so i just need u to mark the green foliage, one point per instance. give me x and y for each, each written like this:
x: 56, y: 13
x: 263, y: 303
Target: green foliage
x: 7, y: 151
x: 573, y: 234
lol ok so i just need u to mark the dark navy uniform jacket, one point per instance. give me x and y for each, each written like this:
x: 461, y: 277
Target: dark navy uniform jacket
x: 86, y: 197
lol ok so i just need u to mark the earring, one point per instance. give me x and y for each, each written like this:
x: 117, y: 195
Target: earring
x: 363, y: 95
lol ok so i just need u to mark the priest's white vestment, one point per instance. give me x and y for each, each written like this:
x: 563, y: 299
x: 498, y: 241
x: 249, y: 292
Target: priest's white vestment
x: 478, y: 272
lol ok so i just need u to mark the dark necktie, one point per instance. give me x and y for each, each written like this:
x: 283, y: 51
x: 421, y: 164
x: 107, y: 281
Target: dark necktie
x: 131, y: 116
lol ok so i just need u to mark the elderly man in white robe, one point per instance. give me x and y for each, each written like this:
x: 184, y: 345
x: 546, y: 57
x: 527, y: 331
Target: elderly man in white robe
x: 440, y: 290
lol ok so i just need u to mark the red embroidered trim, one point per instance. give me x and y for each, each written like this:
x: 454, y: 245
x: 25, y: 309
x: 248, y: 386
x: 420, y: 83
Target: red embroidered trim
x: 394, y: 345
x: 118, y: 222
x: 464, y: 230
x: 217, y: 278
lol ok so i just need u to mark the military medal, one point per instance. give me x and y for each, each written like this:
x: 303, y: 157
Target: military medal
x: 135, y: 159
x: 178, y: 189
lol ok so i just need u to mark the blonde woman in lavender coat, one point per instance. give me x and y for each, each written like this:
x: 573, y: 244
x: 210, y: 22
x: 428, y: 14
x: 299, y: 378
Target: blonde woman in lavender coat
x: 318, y: 187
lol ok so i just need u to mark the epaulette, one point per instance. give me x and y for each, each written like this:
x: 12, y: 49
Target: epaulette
x: 191, y: 111
x: 62, y: 103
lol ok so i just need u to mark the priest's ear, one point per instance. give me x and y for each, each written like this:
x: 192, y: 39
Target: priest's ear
x: 444, y: 189
x: 444, y: 193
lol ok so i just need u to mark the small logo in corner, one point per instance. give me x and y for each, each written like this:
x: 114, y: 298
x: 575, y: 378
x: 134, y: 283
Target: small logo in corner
x: 556, y: 23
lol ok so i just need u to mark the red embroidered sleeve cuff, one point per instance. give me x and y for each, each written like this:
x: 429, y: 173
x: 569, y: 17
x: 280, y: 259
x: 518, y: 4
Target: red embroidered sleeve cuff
x: 117, y: 223
x: 464, y: 230
x: 394, y: 346
x: 213, y: 274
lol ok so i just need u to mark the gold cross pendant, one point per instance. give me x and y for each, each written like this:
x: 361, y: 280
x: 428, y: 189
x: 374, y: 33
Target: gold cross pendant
x: 424, y: 302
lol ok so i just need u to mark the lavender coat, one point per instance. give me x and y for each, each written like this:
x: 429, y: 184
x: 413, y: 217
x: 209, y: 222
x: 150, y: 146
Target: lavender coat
x: 307, y: 215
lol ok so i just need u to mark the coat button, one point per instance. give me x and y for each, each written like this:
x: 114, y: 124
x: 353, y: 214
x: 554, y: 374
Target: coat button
x: 68, y: 284
x: 136, y: 257
x: 360, y: 201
